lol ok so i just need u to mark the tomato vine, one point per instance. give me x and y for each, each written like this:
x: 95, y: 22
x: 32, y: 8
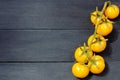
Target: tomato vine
x: 86, y: 61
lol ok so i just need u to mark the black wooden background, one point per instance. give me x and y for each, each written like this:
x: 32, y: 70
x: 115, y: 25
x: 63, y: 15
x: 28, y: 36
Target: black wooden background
x: 38, y: 39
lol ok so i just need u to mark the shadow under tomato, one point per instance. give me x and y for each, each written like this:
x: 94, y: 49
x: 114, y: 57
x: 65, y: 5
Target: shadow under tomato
x: 105, y: 72
x: 106, y: 54
x: 87, y: 78
x: 108, y: 51
x: 113, y: 36
x: 116, y: 19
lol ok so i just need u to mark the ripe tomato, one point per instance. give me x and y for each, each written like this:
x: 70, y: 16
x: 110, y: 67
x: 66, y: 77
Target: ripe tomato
x: 82, y: 54
x: 95, y: 17
x: 97, y: 43
x: 96, y: 64
x: 80, y: 70
x: 105, y: 28
x: 112, y: 11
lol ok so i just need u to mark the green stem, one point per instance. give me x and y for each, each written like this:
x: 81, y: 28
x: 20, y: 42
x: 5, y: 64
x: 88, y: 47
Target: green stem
x: 109, y: 2
x: 96, y: 26
x: 104, y: 7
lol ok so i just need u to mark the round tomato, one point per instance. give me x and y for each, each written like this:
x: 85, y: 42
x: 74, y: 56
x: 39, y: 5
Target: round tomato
x: 80, y: 70
x: 96, y: 64
x: 112, y: 11
x: 97, y: 43
x: 95, y: 17
x: 105, y: 28
x: 82, y: 54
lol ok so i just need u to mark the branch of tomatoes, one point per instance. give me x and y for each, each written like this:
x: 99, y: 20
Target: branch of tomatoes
x: 86, y: 60
x: 99, y: 17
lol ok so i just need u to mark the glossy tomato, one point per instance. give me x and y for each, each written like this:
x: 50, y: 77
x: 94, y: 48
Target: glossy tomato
x: 96, y: 64
x: 112, y: 11
x: 82, y: 54
x: 80, y: 70
x: 97, y: 43
x: 96, y: 17
x: 105, y: 28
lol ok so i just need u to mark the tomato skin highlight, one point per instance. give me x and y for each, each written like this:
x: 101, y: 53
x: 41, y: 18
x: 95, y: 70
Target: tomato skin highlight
x: 98, y: 66
x: 97, y: 46
x: 82, y: 54
x: 105, y: 28
x: 80, y: 70
x: 112, y: 11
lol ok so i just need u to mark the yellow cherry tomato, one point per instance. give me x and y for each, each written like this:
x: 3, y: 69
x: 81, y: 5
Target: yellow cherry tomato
x: 112, y: 11
x: 80, y: 70
x: 82, y: 54
x: 96, y: 64
x: 97, y: 43
x: 95, y: 17
x: 105, y: 28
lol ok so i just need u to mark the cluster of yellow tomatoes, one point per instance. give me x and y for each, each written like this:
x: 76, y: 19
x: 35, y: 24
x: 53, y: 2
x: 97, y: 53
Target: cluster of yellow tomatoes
x: 86, y: 56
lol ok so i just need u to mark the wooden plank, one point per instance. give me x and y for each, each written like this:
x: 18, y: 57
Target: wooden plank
x: 46, y: 14
x: 49, y: 14
x: 40, y: 45
x: 50, y: 45
x: 52, y: 71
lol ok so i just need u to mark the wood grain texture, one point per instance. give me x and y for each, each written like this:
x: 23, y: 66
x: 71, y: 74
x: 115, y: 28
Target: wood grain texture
x: 38, y: 39
x: 49, y: 14
x: 52, y: 71
x: 46, y: 14
x: 50, y: 45
x: 41, y: 45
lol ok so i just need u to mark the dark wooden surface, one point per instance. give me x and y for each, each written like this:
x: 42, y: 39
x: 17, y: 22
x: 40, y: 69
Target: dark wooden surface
x: 38, y: 39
